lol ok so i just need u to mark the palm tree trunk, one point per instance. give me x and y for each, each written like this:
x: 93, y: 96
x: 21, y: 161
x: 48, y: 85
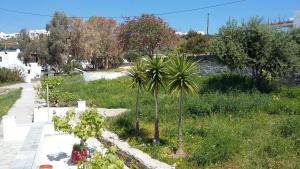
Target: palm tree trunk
x: 156, y: 120
x: 106, y: 63
x: 137, y: 109
x: 179, y: 144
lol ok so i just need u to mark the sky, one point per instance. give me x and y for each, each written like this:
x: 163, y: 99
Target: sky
x: 196, y: 20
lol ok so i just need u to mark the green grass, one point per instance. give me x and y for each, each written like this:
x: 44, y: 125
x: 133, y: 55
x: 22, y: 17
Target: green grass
x: 7, y: 83
x: 233, y: 125
x: 7, y: 100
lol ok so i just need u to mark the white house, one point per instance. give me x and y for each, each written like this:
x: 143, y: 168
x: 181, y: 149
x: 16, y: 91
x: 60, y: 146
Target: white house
x: 291, y: 23
x: 9, y: 59
x: 296, y: 21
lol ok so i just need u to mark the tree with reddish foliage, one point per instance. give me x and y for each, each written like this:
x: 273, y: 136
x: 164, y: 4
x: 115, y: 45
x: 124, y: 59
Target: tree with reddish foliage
x: 101, y: 47
x: 146, y: 34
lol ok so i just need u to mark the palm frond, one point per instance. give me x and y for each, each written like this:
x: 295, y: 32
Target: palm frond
x: 137, y: 74
x: 155, y: 72
x: 181, y: 73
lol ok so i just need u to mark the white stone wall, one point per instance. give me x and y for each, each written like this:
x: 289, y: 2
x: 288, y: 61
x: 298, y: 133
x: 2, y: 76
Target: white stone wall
x: 9, y: 59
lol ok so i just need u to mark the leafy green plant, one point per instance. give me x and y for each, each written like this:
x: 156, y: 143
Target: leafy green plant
x: 11, y: 75
x: 99, y: 161
x: 90, y: 124
x: 56, y: 95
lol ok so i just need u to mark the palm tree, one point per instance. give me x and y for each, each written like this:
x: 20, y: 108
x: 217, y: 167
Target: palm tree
x: 138, y: 81
x: 155, y: 73
x: 181, y: 73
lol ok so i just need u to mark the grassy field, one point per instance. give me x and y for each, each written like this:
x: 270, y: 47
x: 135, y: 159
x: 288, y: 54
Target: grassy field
x: 229, y: 123
x: 7, y: 83
x: 8, y: 99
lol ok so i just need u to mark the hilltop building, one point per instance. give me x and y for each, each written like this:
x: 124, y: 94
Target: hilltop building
x: 291, y: 23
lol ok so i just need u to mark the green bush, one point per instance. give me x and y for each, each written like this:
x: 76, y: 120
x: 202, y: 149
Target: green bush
x: 10, y: 75
x: 99, y: 161
x: 219, y: 145
x: 53, y: 82
x: 57, y: 95
x: 90, y: 124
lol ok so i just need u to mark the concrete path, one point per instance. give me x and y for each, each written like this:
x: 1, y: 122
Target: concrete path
x: 23, y: 111
x: 23, y: 108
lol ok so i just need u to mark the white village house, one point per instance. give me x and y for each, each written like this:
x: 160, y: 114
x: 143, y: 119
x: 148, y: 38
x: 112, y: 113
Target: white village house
x: 9, y: 59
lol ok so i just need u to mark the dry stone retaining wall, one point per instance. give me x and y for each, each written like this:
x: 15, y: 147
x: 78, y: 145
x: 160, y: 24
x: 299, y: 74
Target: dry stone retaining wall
x: 132, y: 156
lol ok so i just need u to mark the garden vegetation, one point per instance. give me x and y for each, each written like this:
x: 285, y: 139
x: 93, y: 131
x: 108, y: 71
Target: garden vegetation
x: 232, y: 126
x: 220, y: 121
x: 10, y: 75
x: 8, y: 99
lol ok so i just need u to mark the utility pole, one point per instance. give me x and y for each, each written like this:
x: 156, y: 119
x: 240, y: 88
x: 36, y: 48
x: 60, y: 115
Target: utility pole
x: 207, y: 24
x: 47, y: 92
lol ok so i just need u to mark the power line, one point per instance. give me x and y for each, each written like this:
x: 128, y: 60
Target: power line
x: 198, y: 9
x: 23, y: 12
x: 115, y: 17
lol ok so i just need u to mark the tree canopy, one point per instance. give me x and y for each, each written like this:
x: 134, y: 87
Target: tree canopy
x: 266, y: 51
x: 33, y: 49
x: 146, y: 34
x: 195, y: 43
x: 57, y: 40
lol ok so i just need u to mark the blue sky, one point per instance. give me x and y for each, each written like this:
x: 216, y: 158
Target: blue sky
x: 13, y: 22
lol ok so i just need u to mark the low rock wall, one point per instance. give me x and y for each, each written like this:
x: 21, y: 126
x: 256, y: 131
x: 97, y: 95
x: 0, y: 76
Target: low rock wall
x: 132, y: 156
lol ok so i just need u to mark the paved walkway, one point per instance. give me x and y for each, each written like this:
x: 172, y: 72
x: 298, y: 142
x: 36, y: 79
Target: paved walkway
x: 23, y: 111
x: 23, y: 108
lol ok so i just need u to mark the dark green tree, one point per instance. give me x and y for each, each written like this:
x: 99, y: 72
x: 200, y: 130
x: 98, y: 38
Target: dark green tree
x: 58, y: 40
x: 195, y: 43
x: 295, y: 34
x: 266, y: 51
x: 33, y: 49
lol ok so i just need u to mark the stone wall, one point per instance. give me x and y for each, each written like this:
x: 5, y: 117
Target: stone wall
x: 132, y: 156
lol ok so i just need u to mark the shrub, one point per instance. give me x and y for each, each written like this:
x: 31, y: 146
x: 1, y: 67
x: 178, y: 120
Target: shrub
x: 110, y: 160
x: 56, y: 95
x: 53, y: 82
x: 11, y: 75
x: 219, y: 146
x: 90, y: 124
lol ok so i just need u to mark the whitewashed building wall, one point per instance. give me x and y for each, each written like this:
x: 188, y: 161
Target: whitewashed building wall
x: 296, y: 21
x: 9, y: 59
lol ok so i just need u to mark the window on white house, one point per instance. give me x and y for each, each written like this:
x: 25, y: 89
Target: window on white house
x: 0, y: 58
